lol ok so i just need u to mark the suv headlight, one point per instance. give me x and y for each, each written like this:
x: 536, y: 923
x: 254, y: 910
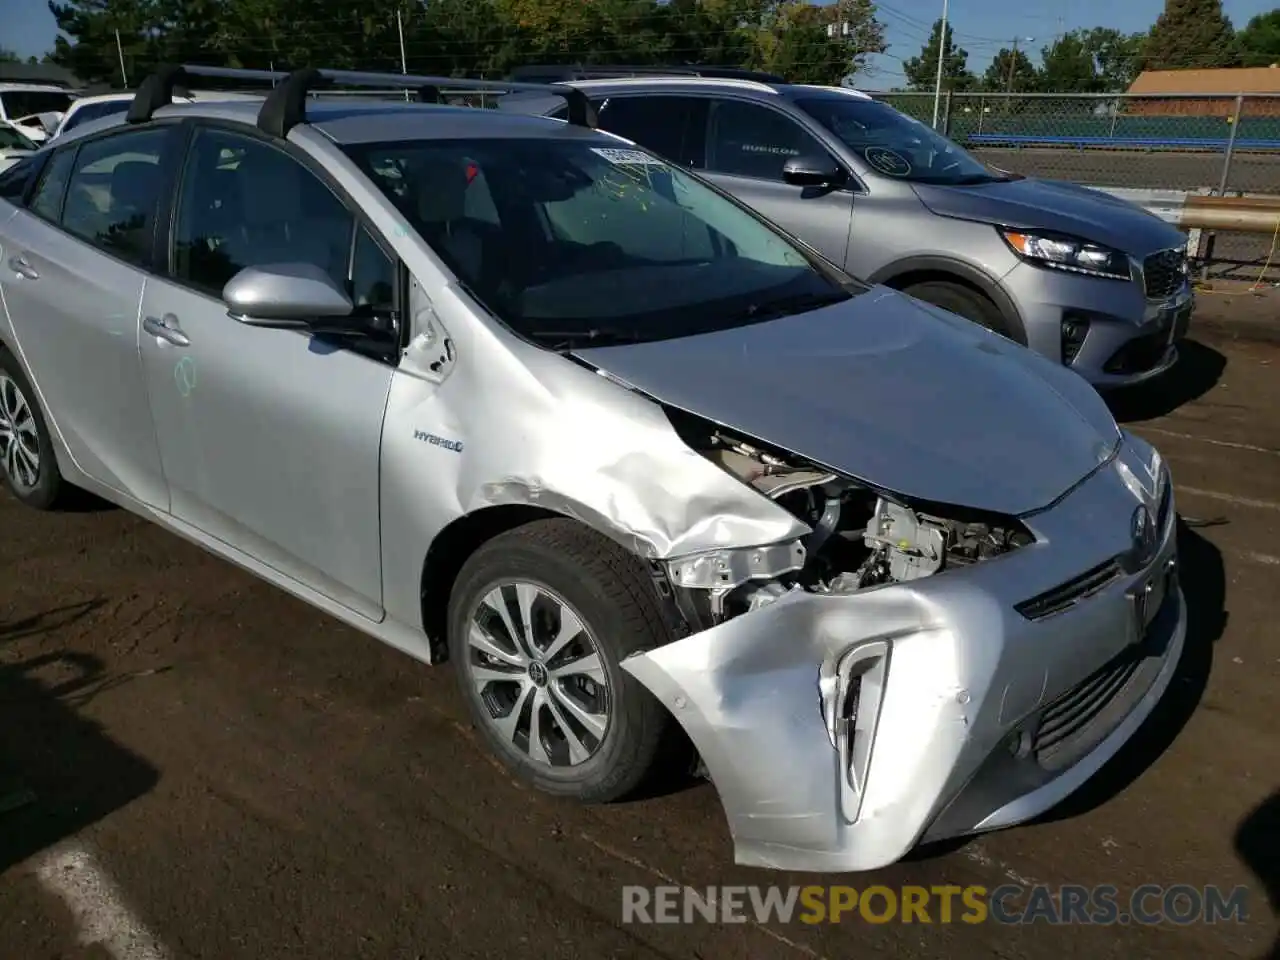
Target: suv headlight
x: 1068, y: 253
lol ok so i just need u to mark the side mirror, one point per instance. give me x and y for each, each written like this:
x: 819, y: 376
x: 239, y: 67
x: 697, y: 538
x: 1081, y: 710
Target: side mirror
x: 812, y: 172
x: 293, y: 296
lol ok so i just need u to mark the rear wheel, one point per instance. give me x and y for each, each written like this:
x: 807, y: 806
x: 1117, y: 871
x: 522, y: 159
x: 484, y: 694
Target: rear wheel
x: 962, y: 301
x: 540, y: 619
x: 26, y: 450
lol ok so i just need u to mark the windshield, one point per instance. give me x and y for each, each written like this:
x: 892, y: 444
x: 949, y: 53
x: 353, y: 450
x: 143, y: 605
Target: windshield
x: 25, y: 103
x: 94, y: 111
x: 11, y: 138
x: 572, y: 242
x: 895, y: 145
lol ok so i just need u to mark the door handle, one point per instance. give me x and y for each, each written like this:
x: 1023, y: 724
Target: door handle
x: 166, y: 328
x: 23, y: 269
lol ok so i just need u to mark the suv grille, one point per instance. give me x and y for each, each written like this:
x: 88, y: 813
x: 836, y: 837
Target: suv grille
x: 1164, y: 273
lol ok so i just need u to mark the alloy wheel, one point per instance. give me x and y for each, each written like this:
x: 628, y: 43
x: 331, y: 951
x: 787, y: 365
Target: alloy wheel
x: 537, y: 670
x: 19, y: 440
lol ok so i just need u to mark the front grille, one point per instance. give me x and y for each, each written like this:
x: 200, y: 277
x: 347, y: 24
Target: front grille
x: 1076, y: 720
x: 1164, y: 273
x: 1071, y: 592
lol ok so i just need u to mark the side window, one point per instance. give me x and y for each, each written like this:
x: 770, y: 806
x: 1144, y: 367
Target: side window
x: 373, y: 276
x: 245, y: 203
x: 661, y: 124
x: 749, y: 140
x: 46, y: 202
x: 113, y: 190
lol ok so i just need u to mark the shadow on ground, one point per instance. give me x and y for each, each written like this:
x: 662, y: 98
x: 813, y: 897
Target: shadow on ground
x: 59, y: 772
x: 1197, y: 371
x: 1258, y: 845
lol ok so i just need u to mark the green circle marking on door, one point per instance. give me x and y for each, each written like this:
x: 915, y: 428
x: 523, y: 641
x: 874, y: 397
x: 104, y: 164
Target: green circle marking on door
x: 184, y: 375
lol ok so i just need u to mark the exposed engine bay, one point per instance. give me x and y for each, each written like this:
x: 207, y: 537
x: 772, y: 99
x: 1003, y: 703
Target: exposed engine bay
x: 861, y: 537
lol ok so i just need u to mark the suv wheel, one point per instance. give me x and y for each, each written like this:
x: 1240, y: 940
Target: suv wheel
x: 26, y: 450
x: 539, y: 621
x: 962, y: 301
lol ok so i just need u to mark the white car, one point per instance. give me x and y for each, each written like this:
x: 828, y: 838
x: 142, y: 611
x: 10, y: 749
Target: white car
x: 14, y: 145
x: 94, y: 108
x: 34, y: 108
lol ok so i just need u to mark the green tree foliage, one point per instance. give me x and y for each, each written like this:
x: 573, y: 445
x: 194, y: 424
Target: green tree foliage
x: 806, y: 41
x: 1191, y: 34
x: 1011, y: 71
x: 1068, y: 66
x: 1260, y: 40
x: 922, y: 71
x: 1118, y: 56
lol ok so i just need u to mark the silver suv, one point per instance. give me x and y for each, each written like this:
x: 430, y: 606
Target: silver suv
x: 520, y: 394
x: 1084, y: 278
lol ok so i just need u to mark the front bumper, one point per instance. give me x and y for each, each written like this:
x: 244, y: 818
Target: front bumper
x: 970, y: 715
x: 1127, y: 339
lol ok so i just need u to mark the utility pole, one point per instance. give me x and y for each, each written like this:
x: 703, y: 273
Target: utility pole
x: 404, y: 61
x: 942, y: 46
x: 124, y: 75
x: 1013, y: 61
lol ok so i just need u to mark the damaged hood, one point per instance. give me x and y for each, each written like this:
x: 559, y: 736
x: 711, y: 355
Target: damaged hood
x: 1050, y: 205
x: 889, y: 391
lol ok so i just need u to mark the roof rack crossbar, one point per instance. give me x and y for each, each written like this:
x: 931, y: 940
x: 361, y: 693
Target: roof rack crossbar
x: 286, y: 105
x: 158, y: 89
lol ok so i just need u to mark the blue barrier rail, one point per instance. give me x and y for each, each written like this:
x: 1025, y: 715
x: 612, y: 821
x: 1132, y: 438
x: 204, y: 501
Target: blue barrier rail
x: 1147, y: 143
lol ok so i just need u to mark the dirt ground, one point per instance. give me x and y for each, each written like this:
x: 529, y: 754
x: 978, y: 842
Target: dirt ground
x: 219, y: 772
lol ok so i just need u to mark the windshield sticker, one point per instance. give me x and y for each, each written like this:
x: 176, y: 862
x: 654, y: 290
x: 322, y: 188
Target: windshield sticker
x: 627, y: 157
x: 889, y: 162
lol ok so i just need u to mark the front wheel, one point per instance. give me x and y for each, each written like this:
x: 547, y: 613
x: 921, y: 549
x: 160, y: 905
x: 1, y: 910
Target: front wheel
x: 962, y: 301
x: 540, y: 620
x: 26, y: 450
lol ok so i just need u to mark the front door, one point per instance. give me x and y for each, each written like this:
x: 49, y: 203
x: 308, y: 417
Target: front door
x: 740, y: 146
x: 270, y: 438
x: 73, y: 275
x: 747, y: 144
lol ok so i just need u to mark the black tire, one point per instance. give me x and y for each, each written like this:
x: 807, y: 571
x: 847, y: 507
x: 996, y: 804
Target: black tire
x: 48, y: 489
x: 962, y: 301
x: 612, y: 594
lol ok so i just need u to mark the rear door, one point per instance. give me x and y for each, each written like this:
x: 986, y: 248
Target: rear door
x: 73, y: 276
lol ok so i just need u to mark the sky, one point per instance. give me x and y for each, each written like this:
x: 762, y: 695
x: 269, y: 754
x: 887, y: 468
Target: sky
x: 981, y: 26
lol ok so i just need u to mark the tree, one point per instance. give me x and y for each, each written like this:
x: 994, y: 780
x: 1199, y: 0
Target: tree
x: 807, y: 43
x: 1260, y: 40
x: 1191, y: 33
x: 1067, y: 66
x: 922, y: 71
x: 1117, y: 56
x: 1010, y: 70
x: 8, y: 56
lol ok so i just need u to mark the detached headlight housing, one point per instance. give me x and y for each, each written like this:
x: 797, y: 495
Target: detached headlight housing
x: 1071, y: 255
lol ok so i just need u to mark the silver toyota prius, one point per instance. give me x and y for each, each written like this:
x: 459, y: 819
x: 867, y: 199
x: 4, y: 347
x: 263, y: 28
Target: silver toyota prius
x: 514, y: 392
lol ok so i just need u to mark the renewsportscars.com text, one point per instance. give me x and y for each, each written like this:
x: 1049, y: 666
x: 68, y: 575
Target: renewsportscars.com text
x: 1150, y: 904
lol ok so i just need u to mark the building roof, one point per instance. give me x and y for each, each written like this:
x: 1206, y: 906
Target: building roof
x: 37, y: 73
x: 1223, y: 81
